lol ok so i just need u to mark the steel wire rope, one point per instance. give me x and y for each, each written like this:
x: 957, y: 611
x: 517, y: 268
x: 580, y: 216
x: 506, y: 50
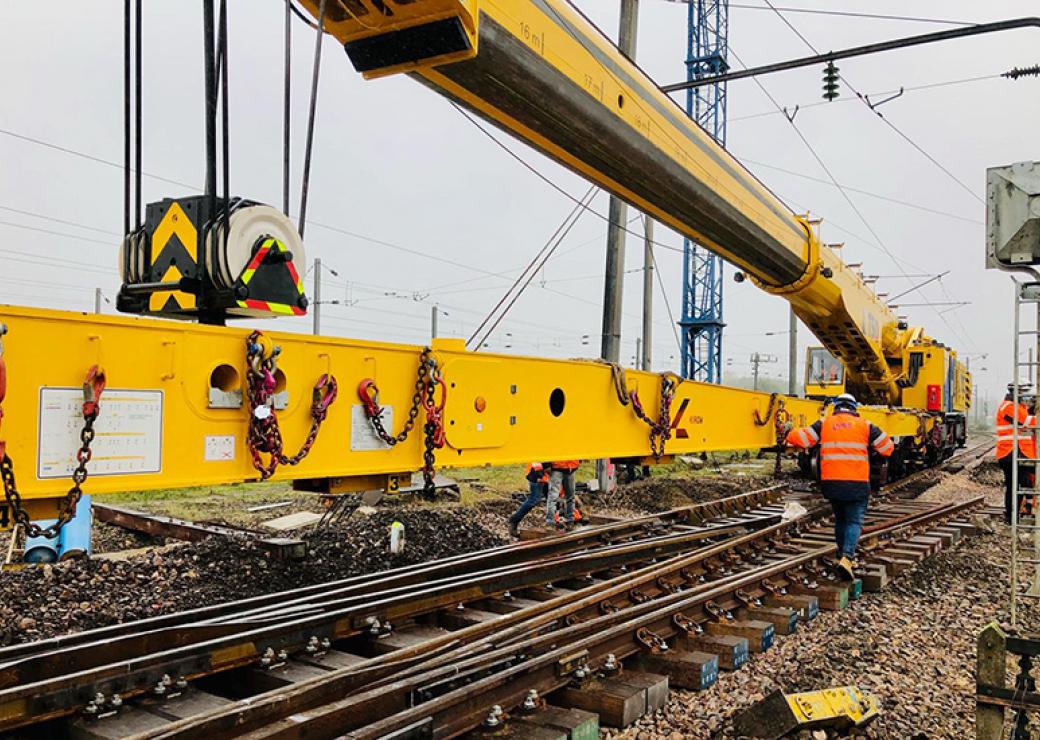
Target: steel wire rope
x: 309, y: 145
x: 589, y: 194
x: 559, y: 236
x: 222, y: 56
x: 138, y: 114
x: 286, y: 105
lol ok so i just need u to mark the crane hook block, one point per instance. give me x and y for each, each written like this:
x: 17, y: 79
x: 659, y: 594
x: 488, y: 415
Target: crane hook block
x: 242, y: 258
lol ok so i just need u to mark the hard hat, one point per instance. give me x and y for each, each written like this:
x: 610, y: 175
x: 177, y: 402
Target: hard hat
x: 847, y: 400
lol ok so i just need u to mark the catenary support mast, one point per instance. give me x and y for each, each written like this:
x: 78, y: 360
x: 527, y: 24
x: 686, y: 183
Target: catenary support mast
x: 707, y: 45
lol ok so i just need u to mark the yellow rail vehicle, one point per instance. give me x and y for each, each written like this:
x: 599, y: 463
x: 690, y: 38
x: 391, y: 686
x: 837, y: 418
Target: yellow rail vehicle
x: 190, y: 404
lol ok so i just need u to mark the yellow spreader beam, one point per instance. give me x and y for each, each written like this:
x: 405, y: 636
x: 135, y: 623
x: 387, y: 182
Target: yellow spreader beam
x: 173, y: 413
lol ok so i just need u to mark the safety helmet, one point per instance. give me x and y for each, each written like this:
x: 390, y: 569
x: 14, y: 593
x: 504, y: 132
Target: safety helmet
x: 847, y: 401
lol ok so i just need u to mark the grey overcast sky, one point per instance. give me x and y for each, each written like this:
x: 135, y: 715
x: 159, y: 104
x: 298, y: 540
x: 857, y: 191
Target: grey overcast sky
x: 400, y: 170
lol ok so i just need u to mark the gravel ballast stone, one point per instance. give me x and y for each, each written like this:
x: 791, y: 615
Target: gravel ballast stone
x: 76, y: 595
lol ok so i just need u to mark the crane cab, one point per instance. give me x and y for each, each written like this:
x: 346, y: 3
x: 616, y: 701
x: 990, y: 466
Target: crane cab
x: 824, y: 374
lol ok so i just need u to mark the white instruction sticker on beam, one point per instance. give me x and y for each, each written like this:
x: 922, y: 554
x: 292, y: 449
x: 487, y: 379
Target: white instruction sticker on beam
x: 128, y: 430
x: 220, y: 447
x: 362, y: 435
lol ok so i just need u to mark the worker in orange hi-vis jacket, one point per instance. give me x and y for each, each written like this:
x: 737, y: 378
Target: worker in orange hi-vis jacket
x: 561, y: 477
x: 1006, y: 422
x: 537, y: 475
x: 845, y: 440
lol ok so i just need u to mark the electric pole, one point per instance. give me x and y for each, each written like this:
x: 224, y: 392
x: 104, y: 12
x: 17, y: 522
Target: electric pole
x: 757, y: 359
x: 792, y: 355
x: 97, y: 300
x: 618, y: 216
x: 317, y: 296
x: 614, y: 282
x: 433, y: 321
x: 648, y: 294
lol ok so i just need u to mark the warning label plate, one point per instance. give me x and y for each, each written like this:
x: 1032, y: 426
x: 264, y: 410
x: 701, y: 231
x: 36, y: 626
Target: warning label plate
x: 362, y: 436
x: 129, y: 432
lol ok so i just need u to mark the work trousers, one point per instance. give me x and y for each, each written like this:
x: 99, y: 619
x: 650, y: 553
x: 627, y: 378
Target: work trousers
x: 560, y: 479
x: 1025, y: 480
x: 848, y: 523
x: 537, y: 493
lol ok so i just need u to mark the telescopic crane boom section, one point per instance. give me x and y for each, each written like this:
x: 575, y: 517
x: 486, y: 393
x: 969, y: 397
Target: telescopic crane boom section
x: 542, y: 71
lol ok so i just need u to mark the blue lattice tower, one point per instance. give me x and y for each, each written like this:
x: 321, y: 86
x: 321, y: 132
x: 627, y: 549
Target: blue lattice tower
x: 701, y: 320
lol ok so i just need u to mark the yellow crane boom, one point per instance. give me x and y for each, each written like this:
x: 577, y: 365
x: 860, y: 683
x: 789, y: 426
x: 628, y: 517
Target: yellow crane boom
x: 542, y: 71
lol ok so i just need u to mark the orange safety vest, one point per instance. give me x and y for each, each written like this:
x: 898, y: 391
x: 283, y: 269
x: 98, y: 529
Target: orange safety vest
x: 536, y: 467
x: 844, y: 445
x: 1006, y: 416
x: 567, y: 464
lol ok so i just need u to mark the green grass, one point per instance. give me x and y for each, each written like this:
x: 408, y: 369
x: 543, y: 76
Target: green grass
x: 231, y: 502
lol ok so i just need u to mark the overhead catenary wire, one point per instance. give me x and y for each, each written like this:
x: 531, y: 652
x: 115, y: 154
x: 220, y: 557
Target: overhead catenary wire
x: 532, y: 265
x: 848, y: 14
x: 553, y: 243
x: 905, y: 89
x: 879, y: 196
x: 527, y: 165
x: 848, y: 199
x: 875, y: 110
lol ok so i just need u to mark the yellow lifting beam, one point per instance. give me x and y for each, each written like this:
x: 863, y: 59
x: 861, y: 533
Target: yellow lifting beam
x: 175, y: 413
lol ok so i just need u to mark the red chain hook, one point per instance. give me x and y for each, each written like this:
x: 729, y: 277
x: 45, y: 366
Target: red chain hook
x: 369, y: 395
x: 93, y: 387
x: 435, y: 414
x: 325, y: 391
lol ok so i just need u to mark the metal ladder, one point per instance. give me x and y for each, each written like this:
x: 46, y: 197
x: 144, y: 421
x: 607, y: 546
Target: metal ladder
x: 1024, y: 556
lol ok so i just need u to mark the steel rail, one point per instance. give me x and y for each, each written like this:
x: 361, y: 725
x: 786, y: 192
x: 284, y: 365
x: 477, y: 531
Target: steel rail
x: 522, y: 665
x: 423, y: 572
x: 53, y: 682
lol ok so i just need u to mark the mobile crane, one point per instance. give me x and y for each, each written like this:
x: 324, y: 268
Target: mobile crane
x: 194, y: 404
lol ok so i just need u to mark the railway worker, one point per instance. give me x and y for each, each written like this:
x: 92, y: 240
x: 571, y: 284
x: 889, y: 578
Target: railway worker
x: 537, y: 475
x: 845, y: 440
x: 561, y: 477
x: 1006, y: 414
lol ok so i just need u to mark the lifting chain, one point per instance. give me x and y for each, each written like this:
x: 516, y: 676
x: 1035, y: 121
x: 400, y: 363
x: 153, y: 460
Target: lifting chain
x: 265, y: 435
x: 763, y: 420
x: 425, y: 396
x: 661, y: 428
x: 92, y: 390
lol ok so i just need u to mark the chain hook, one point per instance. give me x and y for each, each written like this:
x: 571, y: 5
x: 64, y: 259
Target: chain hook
x: 369, y: 395
x: 93, y: 387
x: 325, y: 391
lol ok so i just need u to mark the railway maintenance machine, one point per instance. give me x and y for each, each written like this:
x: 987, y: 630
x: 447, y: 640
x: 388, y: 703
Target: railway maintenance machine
x: 138, y: 402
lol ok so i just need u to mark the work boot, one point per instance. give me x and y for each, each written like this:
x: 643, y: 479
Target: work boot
x: 845, y: 569
x: 513, y: 531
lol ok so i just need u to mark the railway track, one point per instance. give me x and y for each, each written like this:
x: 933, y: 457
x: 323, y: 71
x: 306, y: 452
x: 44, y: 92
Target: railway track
x: 491, y: 616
